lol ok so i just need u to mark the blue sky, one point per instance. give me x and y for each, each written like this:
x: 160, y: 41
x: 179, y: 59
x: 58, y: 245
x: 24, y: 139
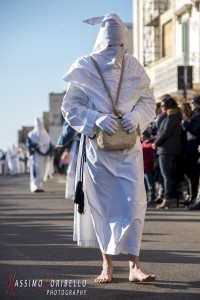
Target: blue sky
x: 40, y: 39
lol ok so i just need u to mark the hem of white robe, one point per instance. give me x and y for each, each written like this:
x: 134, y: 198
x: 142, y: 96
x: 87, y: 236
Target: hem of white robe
x: 94, y: 244
x: 87, y: 244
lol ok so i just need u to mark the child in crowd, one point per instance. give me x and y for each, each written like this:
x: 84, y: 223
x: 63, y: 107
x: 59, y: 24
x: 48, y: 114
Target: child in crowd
x: 149, y: 173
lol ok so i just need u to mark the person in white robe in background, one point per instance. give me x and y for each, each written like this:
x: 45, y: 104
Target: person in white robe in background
x: 38, y: 146
x: 69, y: 139
x: 49, y: 169
x: 115, y: 198
x: 7, y: 161
x: 71, y: 170
x: 2, y: 161
x: 12, y: 160
x: 22, y: 160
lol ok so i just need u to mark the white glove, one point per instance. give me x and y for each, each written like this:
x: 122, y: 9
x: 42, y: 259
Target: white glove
x: 129, y: 122
x: 107, y: 123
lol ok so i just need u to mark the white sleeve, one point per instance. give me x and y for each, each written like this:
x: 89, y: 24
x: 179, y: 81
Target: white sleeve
x: 77, y: 112
x: 144, y: 109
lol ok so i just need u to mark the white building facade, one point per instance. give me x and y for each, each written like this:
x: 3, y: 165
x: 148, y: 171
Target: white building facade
x: 167, y: 42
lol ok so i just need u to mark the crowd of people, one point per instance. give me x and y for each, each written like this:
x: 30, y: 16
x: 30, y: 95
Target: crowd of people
x: 171, y: 150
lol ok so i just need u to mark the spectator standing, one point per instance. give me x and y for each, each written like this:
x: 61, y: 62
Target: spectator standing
x: 196, y: 204
x: 149, y: 172
x: 160, y: 115
x: 185, y: 188
x: 169, y: 149
x: 192, y: 128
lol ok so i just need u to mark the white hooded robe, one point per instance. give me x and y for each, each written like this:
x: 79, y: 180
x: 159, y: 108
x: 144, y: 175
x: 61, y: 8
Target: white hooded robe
x: 38, y: 163
x: 115, y: 198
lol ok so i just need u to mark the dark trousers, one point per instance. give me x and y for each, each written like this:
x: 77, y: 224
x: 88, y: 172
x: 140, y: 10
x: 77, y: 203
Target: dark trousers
x: 169, y: 171
x: 150, y: 186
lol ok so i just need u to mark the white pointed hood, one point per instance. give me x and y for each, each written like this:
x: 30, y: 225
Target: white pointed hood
x: 40, y: 136
x: 84, y: 75
x: 111, y: 43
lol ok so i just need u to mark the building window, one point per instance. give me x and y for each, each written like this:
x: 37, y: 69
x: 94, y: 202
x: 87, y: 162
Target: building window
x: 185, y: 41
x: 167, y: 39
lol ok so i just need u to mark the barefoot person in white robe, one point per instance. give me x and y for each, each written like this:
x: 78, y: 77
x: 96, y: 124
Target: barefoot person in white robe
x: 115, y: 198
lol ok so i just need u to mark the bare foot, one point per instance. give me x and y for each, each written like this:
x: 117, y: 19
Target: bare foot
x: 105, y: 276
x: 136, y: 275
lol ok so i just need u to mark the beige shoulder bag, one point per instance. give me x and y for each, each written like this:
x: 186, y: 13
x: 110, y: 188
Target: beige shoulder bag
x: 121, y: 139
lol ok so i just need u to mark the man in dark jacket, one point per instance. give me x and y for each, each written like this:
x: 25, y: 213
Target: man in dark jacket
x: 192, y: 128
x: 168, y: 144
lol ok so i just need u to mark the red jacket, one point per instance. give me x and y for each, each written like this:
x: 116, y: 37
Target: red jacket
x: 148, y: 156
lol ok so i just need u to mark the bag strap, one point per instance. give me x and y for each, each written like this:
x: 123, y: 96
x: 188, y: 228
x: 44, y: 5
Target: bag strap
x: 114, y: 103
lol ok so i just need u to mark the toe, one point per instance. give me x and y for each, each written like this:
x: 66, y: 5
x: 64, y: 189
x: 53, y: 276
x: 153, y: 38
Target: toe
x: 149, y: 278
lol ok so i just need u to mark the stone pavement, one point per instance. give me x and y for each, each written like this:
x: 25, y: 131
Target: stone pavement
x: 39, y: 260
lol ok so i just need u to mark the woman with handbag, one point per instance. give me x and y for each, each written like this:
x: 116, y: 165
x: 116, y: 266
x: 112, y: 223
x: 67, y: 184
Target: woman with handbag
x: 109, y: 102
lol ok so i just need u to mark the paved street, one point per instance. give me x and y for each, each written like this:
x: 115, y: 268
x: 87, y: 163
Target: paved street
x: 39, y: 260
